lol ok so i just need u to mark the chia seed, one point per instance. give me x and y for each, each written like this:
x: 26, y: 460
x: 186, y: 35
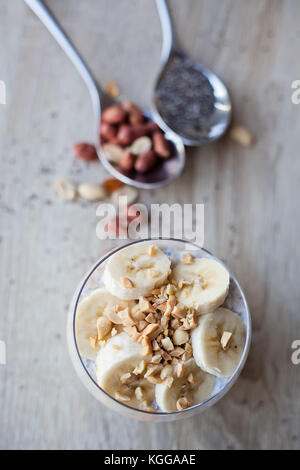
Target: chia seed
x: 185, y: 98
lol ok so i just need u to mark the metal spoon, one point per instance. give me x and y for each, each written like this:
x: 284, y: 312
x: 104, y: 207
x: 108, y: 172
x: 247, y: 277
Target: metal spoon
x: 167, y: 170
x: 196, y: 122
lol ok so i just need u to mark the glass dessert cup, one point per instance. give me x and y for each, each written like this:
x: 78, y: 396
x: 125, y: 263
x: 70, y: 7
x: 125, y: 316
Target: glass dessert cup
x: 235, y: 301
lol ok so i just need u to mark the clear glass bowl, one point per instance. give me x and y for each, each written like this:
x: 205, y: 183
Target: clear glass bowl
x: 235, y: 301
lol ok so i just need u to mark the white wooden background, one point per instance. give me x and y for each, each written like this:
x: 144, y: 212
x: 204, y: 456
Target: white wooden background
x: 251, y: 201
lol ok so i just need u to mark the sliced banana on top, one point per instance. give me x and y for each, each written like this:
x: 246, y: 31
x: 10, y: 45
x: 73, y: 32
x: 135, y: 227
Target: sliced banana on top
x: 193, y: 387
x: 203, y: 284
x: 98, y: 303
x: 218, y: 342
x: 119, y: 368
x: 136, y: 270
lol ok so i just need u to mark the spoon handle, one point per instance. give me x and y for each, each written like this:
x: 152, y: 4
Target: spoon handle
x: 167, y: 30
x: 48, y: 20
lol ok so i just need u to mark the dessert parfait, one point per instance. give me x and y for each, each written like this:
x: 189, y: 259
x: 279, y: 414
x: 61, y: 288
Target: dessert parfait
x: 157, y: 331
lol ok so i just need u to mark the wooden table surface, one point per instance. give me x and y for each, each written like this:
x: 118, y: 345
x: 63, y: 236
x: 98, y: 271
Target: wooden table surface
x: 251, y: 199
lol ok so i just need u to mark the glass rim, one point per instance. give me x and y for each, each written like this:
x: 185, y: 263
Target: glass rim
x: 206, y: 403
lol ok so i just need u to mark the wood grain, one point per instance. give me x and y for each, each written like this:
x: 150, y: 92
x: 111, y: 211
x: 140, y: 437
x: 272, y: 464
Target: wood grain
x: 251, y: 201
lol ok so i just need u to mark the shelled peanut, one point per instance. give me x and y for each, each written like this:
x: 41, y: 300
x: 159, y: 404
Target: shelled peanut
x: 132, y: 142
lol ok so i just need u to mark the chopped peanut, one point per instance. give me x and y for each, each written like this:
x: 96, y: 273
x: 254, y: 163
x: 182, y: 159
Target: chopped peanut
x: 177, y: 352
x: 180, y: 337
x: 126, y: 318
x: 152, y: 250
x: 121, y: 396
x: 112, y: 89
x: 156, y: 292
x: 187, y: 258
x: 190, y: 321
x: 156, y: 358
x: 169, y: 381
x: 132, y: 332
x: 188, y: 352
x: 125, y: 377
x: 241, y: 135
x: 183, y: 403
x: 167, y: 344
x: 183, y: 283
x: 166, y: 356
x: 114, y: 317
x: 93, y: 341
x: 191, y: 379
x: 145, y: 306
x: 154, y: 273
x: 142, y: 325
x: 139, y: 368
x: 154, y: 380
x: 139, y: 393
x: 137, y: 314
x: 178, y: 311
x: 175, y: 323
x: 146, y: 344
x: 170, y: 289
x: 152, y: 370
x: 150, y: 318
x: 180, y: 369
x: 127, y: 283
x: 151, y: 331
x: 164, y: 322
x: 226, y: 339
x: 104, y: 326
x: 167, y: 371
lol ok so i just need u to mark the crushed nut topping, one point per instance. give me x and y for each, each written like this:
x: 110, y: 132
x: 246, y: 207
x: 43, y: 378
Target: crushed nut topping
x: 226, y: 339
x: 146, y: 344
x: 152, y: 330
x: 127, y: 283
x: 187, y: 258
x: 167, y: 371
x: 121, y: 396
x: 140, y: 368
x: 180, y: 369
x: 139, y: 393
x: 180, y: 337
x: 93, y: 341
x: 104, y: 327
x: 152, y: 250
x: 162, y: 326
x: 169, y: 381
x: 183, y: 403
x: 191, y: 379
x: 167, y: 344
x: 125, y: 377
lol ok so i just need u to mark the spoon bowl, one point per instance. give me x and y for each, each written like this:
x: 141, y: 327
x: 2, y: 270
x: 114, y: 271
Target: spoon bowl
x: 188, y: 98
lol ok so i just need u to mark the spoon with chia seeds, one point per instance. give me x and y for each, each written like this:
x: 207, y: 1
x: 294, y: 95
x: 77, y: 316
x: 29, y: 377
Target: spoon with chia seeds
x: 188, y: 98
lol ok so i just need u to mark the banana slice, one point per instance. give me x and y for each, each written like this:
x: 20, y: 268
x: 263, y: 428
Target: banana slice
x: 136, y: 270
x: 119, y: 368
x: 205, y: 284
x: 210, y: 352
x: 194, y: 386
x: 98, y: 303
